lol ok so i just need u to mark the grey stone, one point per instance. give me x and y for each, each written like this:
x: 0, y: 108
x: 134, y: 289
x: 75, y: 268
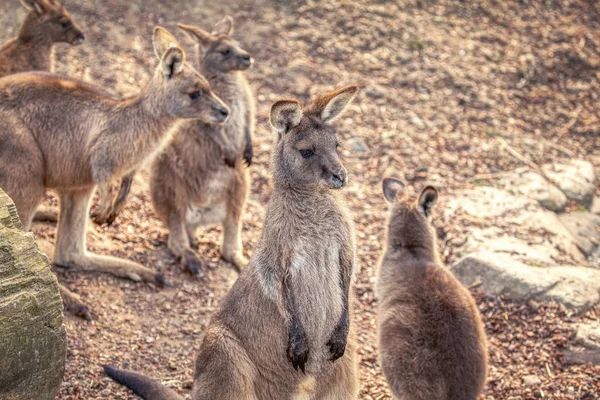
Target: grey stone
x: 588, y: 335
x: 585, y: 228
x: 535, y: 186
x: 358, y: 144
x: 595, y: 208
x: 536, y: 235
x: 578, y: 287
x: 32, y: 335
x: 500, y: 273
x: 486, y: 202
x: 576, y: 179
x: 531, y: 380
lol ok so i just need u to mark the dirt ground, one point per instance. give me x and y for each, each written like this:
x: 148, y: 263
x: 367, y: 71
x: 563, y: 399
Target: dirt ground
x: 447, y: 88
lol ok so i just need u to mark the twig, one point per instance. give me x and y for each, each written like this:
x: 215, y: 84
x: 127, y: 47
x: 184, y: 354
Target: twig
x: 569, y: 125
x: 560, y: 148
x: 517, y: 155
x: 474, y: 285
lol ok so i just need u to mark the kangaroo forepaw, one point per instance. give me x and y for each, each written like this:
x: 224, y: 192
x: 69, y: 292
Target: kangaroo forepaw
x: 103, y: 217
x: 229, y: 161
x: 161, y: 281
x: 83, y: 312
x: 193, y: 265
x: 297, y: 353
x: 248, y: 155
x: 337, y: 343
x: 74, y: 305
x: 336, y: 348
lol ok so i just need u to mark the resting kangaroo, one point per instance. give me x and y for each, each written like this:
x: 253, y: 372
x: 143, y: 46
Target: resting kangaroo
x: 191, y: 183
x: 62, y: 134
x: 283, y: 330
x: 431, y: 339
x: 46, y: 24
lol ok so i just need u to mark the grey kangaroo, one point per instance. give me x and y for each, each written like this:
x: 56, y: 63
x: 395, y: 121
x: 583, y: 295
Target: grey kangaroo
x: 200, y: 177
x: 283, y: 330
x: 62, y: 134
x: 46, y: 24
x: 431, y: 339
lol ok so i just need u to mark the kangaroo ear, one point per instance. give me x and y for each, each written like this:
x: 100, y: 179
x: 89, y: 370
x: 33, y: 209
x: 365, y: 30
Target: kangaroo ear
x: 223, y: 27
x: 196, y: 34
x: 285, y: 115
x: 427, y: 200
x: 162, y: 40
x: 332, y: 105
x: 34, y: 5
x: 172, y: 62
x: 391, y: 187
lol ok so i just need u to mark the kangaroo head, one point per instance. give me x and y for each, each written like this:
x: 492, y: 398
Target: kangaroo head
x: 307, y: 152
x: 409, y: 225
x: 49, y: 21
x: 183, y: 92
x: 217, y: 51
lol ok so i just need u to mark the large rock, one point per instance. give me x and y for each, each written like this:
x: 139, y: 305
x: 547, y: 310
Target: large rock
x: 595, y: 208
x: 535, y: 186
x: 588, y: 335
x: 585, y: 228
x: 513, y: 224
x: 576, y: 179
x: 500, y: 273
x: 32, y: 335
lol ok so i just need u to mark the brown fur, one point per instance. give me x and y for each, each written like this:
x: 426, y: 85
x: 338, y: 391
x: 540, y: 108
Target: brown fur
x: 283, y: 330
x: 200, y: 178
x: 431, y: 339
x: 46, y: 24
x: 62, y: 134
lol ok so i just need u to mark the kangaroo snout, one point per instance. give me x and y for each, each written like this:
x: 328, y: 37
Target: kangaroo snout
x: 339, y: 178
x: 247, y: 61
x: 79, y: 39
x: 220, y: 113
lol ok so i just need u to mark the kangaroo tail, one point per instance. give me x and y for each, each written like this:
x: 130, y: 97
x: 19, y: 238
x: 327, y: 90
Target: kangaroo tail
x: 142, y: 385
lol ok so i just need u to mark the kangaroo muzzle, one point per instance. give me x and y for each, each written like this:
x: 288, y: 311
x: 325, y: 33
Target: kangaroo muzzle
x: 339, y: 178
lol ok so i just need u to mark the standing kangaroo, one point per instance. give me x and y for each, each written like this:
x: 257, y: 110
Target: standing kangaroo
x: 62, y: 134
x: 191, y: 182
x: 282, y: 331
x: 46, y: 24
x: 431, y: 339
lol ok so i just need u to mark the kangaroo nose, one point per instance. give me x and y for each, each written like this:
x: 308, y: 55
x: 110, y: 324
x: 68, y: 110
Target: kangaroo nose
x: 223, y: 112
x: 79, y: 38
x: 247, y: 59
x: 340, y: 178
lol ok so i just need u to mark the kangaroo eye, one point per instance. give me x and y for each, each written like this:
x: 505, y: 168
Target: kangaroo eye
x: 307, y: 153
x: 195, y: 95
x: 225, y: 52
x: 66, y: 24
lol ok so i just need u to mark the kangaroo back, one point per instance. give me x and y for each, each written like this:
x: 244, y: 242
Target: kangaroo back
x: 142, y: 385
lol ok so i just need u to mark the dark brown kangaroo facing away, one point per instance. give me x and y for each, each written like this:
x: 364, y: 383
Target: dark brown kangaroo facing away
x: 105, y: 138
x: 201, y: 177
x: 432, y: 343
x: 283, y: 331
x: 46, y: 24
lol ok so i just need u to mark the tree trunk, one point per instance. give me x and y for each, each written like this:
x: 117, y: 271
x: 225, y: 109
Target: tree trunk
x: 32, y: 334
